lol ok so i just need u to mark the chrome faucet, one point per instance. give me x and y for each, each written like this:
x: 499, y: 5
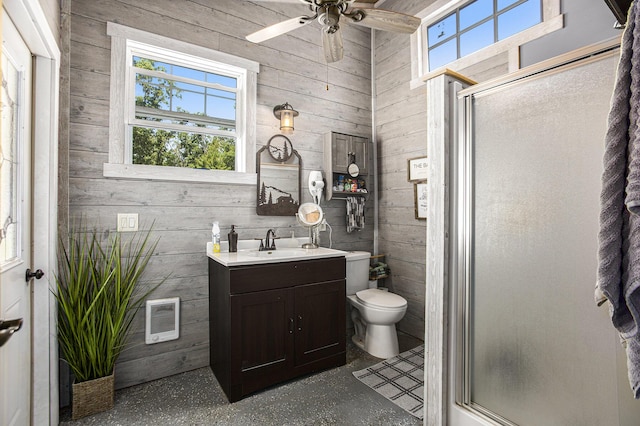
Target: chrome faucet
x: 270, y: 244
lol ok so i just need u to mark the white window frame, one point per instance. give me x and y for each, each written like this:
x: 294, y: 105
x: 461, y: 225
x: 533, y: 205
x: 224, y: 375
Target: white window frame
x: 552, y: 20
x: 126, y: 41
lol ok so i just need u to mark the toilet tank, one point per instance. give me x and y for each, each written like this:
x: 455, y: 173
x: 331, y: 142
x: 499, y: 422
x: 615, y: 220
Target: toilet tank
x: 357, y: 271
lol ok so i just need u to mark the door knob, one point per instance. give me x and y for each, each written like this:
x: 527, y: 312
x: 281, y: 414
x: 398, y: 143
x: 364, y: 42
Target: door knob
x: 7, y: 328
x: 37, y: 274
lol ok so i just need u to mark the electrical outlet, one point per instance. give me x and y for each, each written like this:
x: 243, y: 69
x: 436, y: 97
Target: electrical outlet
x: 323, y: 225
x: 127, y: 222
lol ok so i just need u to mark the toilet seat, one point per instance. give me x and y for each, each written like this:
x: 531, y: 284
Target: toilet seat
x: 380, y: 299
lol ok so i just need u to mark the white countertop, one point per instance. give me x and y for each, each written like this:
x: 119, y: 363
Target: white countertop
x: 287, y: 251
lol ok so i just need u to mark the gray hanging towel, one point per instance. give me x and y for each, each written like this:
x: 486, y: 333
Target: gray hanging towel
x: 355, y: 214
x: 619, y: 236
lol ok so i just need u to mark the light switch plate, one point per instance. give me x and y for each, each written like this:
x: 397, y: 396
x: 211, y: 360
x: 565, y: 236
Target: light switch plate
x: 127, y: 222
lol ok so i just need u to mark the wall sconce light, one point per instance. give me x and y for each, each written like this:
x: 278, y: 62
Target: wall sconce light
x: 285, y: 114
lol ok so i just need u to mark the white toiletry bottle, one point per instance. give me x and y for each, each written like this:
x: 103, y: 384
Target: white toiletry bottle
x: 215, y: 237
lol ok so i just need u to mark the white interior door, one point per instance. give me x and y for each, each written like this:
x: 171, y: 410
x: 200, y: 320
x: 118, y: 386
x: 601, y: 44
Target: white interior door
x: 15, y: 217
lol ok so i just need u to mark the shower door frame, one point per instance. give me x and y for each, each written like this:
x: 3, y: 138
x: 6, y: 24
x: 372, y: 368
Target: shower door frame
x: 447, y: 387
x: 461, y: 214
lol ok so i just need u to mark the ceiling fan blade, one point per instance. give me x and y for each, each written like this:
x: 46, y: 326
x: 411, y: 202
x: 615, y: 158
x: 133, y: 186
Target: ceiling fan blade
x: 385, y: 20
x: 332, y: 44
x: 278, y: 29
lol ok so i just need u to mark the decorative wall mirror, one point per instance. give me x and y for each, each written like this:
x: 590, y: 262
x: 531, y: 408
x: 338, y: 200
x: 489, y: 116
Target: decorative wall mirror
x: 279, y: 176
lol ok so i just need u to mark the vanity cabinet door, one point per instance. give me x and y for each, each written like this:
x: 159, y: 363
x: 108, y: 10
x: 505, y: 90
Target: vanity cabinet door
x: 262, y: 338
x: 320, y: 321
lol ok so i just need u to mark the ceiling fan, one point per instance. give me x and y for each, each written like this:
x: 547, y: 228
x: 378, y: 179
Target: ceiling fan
x: 329, y: 12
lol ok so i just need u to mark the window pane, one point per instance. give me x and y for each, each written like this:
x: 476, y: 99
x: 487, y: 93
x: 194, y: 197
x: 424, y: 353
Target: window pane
x: 176, y: 102
x: 149, y: 64
x: 192, y: 103
x: 190, y: 87
x: 9, y: 162
x: 187, y: 72
x: 185, y: 119
x: 221, y: 94
x: 442, y: 30
x: 222, y: 79
x: 183, y: 149
x: 221, y: 107
x: 519, y: 18
x: 151, y: 91
x: 443, y: 54
x: 504, y: 3
x: 188, y: 98
x: 475, y: 12
x: 476, y: 38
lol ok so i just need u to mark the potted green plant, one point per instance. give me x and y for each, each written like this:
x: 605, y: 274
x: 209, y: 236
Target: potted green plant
x: 98, y: 296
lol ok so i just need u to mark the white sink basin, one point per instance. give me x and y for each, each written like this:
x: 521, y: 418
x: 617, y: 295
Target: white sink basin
x: 280, y: 253
x: 255, y: 257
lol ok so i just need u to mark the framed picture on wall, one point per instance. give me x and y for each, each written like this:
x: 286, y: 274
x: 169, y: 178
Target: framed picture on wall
x: 420, y: 198
x: 417, y: 169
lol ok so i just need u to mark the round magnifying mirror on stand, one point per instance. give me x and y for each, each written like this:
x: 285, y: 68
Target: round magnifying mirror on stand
x: 310, y: 215
x: 353, y: 170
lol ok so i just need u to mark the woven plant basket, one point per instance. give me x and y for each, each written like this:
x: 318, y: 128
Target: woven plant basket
x: 92, y: 396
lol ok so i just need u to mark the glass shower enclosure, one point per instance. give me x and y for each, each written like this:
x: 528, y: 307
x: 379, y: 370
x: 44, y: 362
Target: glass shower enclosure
x: 532, y: 347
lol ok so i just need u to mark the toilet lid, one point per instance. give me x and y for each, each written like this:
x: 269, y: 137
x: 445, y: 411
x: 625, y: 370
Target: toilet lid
x: 381, y: 298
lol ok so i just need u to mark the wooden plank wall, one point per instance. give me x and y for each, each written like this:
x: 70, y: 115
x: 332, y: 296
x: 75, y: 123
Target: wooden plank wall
x: 292, y: 69
x: 401, y: 130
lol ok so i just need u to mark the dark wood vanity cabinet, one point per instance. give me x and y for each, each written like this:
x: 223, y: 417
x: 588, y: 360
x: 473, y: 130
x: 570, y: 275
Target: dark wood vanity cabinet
x: 273, y: 322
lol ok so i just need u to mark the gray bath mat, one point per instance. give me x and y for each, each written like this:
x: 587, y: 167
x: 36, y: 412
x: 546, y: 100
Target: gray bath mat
x: 399, y: 379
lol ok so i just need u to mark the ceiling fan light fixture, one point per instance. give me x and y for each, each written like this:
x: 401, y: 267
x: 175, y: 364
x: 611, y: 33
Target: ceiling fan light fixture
x: 329, y: 15
x: 285, y: 114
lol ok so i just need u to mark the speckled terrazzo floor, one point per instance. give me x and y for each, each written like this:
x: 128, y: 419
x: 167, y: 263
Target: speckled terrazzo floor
x: 332, y: 397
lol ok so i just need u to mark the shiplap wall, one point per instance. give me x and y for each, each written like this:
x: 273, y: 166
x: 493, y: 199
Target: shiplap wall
x: 401, y: 127
x: 292, y: 69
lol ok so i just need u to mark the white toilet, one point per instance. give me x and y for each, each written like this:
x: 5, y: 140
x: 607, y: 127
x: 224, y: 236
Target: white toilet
x: 375, y: 311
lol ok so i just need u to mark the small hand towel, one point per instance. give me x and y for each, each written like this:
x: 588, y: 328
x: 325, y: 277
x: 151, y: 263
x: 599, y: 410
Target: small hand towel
x: 355, y: 214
